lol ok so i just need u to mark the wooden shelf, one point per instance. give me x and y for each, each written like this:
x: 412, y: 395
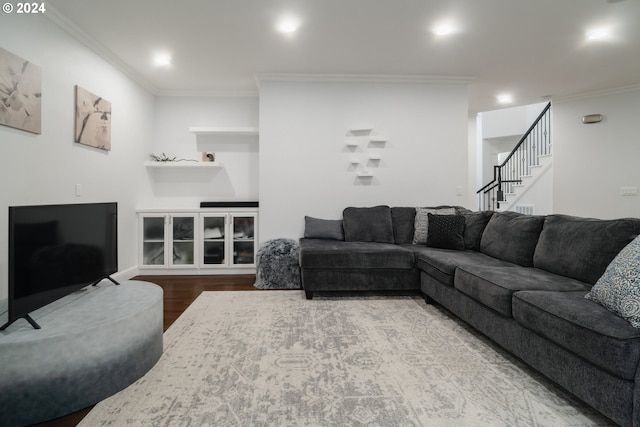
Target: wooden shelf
x: 224, y: 131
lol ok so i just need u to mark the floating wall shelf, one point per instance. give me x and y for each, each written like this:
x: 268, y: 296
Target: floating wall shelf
x: 364, y: 174
x: 182, y: 165
x: 361, y: 130
x: 375, y: 156
x: 352, y: 143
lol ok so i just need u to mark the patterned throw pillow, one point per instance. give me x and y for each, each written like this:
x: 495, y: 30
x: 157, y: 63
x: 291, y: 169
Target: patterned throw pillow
x: 446, y: 232
x: 618, y: 289
x: 421, y: 222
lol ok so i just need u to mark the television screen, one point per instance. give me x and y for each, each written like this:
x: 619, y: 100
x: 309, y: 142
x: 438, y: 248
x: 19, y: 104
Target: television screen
x: 55, y: 250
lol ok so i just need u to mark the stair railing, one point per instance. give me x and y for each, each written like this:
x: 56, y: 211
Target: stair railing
x: 534, y: 143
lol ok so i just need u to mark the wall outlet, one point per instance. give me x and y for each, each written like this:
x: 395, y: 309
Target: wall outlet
x: 628, y: 191
x: 78, y: 190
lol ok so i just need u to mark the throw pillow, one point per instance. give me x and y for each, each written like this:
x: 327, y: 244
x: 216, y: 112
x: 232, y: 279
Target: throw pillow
x: 368, y: 224
x: 446, y: 231
x: 421, y: 222
x: 618, y: 289
x: 330, y: 229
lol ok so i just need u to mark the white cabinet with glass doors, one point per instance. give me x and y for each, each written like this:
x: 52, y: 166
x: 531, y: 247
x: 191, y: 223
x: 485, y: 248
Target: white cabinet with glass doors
x: 204, y: 241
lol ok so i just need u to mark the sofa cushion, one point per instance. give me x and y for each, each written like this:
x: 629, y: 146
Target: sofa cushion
x: 474, y: 225
x: 494, y: 286
x: 442, y: 263
x: 582, y: 327
x: 582, y: 248
x: 512, y: 237
x: 332, y: 254
x: 446, y: 231
x: 403, y: 219
x: 618, y: 289
x: 421, y: 223
x: 315, y: 228
x: 368, y: 224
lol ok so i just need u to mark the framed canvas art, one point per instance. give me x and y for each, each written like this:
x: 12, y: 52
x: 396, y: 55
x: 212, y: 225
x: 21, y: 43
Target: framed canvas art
x: 20, y: 93
x: 93, y: 120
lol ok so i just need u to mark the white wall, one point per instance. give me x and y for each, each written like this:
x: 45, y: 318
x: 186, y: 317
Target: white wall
x: 592, y: 161
x: 510, y: 121
x: 43, y: 169
x: 236, y: 180
x: 305, y: 167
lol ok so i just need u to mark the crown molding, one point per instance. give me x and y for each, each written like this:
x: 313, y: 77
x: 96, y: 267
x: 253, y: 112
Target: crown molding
x: 592, y: 94
x: 206, y: 93
x: 361, y: 78
x: 61, y: 21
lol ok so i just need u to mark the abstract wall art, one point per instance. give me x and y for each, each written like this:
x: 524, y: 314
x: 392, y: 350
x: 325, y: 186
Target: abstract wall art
x: 93, y: 120
x: 20, y: 93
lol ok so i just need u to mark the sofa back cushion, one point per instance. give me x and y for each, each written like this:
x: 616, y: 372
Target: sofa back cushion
x: 316, y: 228
x: 475, y: 223
x: 582, y: 248
x: 403, y: 218
x: 368, y: 224
x: 512, y: 237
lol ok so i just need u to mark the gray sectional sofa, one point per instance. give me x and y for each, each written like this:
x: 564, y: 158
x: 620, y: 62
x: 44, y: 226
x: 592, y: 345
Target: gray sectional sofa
x: 519, y: 279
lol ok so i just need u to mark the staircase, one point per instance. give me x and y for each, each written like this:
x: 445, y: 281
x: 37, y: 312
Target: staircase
x: 527, y: 162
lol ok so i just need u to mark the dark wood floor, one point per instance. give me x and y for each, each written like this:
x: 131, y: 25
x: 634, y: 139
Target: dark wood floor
x: 179, y: 293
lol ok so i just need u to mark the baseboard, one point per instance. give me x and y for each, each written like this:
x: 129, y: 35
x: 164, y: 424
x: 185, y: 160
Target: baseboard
x: 126, y: 274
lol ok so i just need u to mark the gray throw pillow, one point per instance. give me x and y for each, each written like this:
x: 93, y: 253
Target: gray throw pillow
x: 446, y: 232
x: 618, y: 289
x: 368, y: 224
x: 330, y: 229
x: 421, y: 222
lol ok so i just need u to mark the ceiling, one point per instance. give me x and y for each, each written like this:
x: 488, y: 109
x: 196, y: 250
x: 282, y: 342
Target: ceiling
x: 532, y: 49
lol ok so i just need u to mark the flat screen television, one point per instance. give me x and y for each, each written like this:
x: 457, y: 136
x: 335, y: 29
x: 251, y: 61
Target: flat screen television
x: 55, y: 250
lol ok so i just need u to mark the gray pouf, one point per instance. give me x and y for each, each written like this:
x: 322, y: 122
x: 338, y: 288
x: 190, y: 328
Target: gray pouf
x: 277, y: 265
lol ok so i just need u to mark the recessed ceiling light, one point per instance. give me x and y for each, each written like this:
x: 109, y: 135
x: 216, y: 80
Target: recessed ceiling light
x: 162, y: 60
x: 444, y: 29
x: 598, y: 34
x: 288, y: 25
x: 504, y: 98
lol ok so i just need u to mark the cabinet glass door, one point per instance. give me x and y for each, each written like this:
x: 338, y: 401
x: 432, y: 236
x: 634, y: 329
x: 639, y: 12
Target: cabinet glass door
x: 213, y: 240
x: 153, y: 240
x: 183, y: 248
x: 243, y: 239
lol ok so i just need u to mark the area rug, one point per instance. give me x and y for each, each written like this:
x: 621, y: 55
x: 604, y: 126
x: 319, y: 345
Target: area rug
x: 274, y: 358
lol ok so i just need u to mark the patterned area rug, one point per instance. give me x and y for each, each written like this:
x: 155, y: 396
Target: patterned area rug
x: 273, y: 358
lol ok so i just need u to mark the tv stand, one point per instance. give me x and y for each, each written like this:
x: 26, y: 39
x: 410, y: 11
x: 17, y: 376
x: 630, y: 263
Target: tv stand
x: 31, y: 321
x: 25, y: 317
x: 115, y: 282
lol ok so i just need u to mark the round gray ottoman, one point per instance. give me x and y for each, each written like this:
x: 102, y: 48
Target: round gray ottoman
x: 277, y: 265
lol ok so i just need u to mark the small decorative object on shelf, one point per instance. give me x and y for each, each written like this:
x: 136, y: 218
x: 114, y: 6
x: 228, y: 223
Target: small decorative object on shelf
x: 164, y: 158
x: 208, y: 157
